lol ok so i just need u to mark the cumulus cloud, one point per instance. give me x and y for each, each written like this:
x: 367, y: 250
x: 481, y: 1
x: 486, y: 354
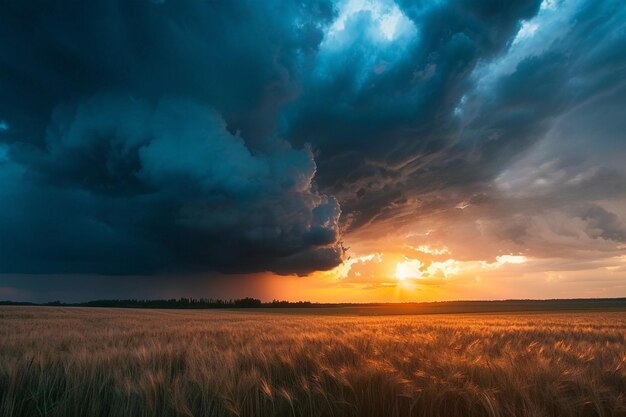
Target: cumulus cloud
x: 142, y: 139
x: 170, y: 178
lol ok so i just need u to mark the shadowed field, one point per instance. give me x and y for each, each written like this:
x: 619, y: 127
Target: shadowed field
x: 115, y: 362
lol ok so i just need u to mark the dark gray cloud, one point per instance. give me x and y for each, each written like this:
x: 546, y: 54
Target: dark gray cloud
x: 534, y: 139
x: 141, y: 137
x: 124, y: 185
x: 381, y: 132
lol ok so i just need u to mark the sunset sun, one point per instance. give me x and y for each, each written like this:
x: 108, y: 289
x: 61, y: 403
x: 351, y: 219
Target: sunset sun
x: 408, y: 269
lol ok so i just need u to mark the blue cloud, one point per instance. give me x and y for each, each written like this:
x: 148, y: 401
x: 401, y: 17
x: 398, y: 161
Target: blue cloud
x: 246, y: 136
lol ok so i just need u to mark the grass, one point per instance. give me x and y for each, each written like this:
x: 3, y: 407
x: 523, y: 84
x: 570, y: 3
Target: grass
x: 115, y: 362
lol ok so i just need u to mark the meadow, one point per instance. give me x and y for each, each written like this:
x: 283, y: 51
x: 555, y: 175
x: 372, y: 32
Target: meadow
x: 120, y: 362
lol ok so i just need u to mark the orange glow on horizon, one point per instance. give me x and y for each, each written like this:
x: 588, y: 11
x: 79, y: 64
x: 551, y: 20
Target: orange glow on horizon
x: 404, y: 267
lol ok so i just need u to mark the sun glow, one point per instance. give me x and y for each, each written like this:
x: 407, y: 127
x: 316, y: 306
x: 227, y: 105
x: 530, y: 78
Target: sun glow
x: 408, y: 269
x: 416, y: 269
x: 421, y: 270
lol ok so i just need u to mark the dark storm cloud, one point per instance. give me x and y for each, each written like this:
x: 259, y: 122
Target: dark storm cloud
x: 519, y: 152
x: 381, y: 133
x: 457, y: 103
x: 191, y: 135
x: 156, y: 186
x: 237, y: 56
x: 139, y: 139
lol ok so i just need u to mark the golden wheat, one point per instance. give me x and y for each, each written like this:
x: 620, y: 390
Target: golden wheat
x: 114, y: 362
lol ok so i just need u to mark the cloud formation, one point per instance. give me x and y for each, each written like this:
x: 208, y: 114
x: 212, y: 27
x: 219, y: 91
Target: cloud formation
x: 522, y: 158
x: 243, y: 136
x: 140, y: 186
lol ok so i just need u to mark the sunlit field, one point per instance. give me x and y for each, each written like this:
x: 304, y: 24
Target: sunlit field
x: 116, y: 362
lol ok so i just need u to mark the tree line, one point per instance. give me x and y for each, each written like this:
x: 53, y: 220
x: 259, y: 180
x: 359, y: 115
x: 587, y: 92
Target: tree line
x: 178, y: 303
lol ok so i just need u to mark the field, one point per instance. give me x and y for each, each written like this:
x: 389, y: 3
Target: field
x: 116, y: 362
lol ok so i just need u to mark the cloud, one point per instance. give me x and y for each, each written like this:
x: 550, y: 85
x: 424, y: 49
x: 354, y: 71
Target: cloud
x: 529, y: 154
x: 456, y: 105
x: 241, y: 136
x: 141, y: 186
x: 142, y: 139
x: 381, y: 114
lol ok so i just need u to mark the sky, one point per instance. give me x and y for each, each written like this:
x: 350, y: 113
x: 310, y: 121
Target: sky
x: 327, y: 150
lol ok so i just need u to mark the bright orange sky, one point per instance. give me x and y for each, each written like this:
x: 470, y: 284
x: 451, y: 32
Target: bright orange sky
x: 419, y: 263
x: 434, y: 273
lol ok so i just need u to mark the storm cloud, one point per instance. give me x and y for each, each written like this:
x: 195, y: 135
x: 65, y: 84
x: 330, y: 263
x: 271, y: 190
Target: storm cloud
x: 152, y: 137
x: 129, y: 149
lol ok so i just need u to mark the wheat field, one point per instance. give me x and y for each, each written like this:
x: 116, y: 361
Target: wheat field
x: 116, y: 362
